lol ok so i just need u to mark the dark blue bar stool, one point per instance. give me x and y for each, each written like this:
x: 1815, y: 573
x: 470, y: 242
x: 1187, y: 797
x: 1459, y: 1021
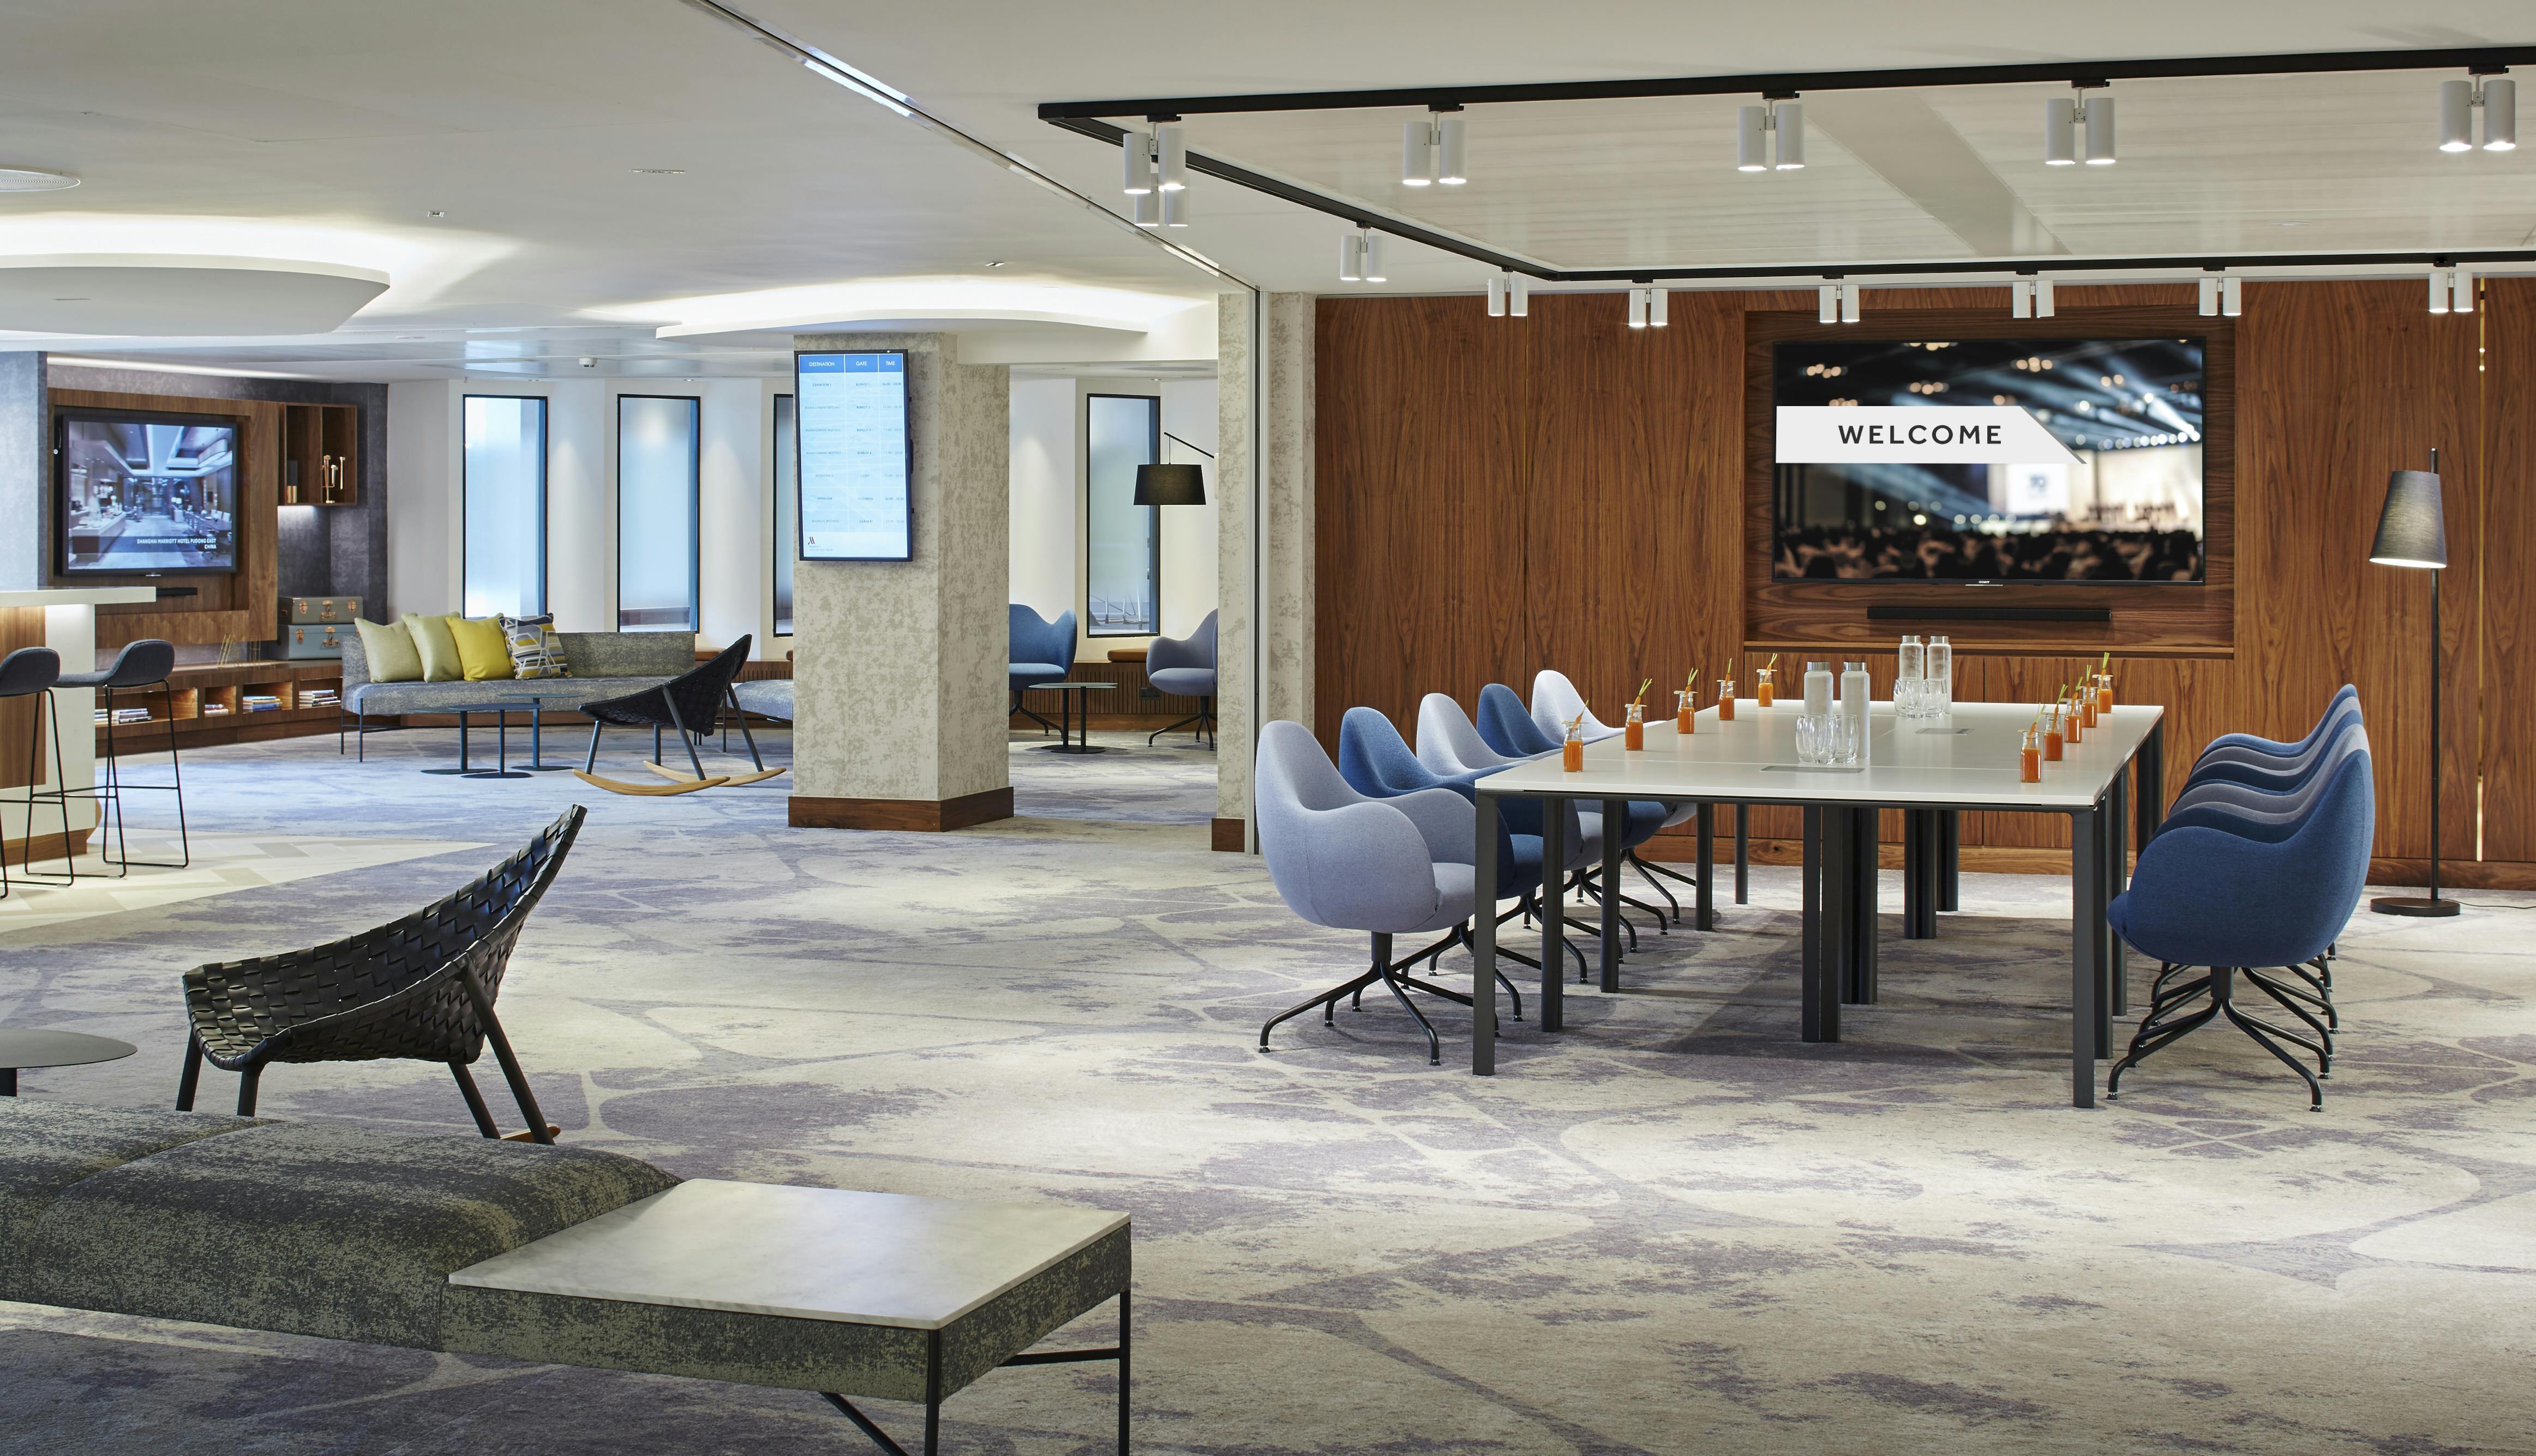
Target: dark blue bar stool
x: 140, y: 667
x: 28, y: 673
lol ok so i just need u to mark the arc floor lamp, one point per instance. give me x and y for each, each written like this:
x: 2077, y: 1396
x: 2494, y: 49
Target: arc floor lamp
x: 2412, y: 532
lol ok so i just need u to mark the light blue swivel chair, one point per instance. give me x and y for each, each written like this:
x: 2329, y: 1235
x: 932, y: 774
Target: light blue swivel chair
x: 1184, y: 668
x: 1340, y: 859
x: 2231, y: 893
x: 1507, y: 726
x: 1040, y: 650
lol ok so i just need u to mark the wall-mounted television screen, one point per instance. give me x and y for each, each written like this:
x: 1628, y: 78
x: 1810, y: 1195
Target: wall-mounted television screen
x: 145, y: 493
x: 2009, y: 460
x: 856, y: 460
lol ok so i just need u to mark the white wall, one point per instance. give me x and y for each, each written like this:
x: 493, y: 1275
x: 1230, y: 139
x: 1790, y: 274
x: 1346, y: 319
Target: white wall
x: 1188, y: 531
x: 734, y: 557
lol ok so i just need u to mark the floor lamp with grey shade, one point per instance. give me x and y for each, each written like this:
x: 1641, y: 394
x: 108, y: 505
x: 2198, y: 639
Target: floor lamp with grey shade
x: 2412, y: 532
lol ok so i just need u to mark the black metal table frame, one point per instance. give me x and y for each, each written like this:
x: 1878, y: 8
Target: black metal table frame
x: 933, y: 1385
x: 1069, y: 738
x: 531, y: 705
x: 1839, y: 910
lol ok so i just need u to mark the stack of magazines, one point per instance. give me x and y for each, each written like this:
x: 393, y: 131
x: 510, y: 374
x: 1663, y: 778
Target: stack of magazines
x: 319, y: 697
x: 258, y: 702
x: 123, y: 715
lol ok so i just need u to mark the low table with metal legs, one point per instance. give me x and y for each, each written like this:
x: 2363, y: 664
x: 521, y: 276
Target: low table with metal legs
x: 1070, y: 739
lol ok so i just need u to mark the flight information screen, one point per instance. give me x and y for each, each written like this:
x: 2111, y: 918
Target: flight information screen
x: 856, y: 468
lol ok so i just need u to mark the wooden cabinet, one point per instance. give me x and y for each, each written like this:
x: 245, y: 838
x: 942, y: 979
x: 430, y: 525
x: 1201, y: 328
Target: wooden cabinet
x: 321, y: 455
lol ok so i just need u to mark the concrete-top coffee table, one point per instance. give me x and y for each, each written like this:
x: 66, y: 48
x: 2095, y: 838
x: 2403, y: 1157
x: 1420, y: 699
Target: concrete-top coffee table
x: 942, y: 1290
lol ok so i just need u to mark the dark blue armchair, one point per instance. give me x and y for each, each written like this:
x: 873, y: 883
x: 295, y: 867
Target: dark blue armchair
x: 1185, y: 666
x: 1040, y: 651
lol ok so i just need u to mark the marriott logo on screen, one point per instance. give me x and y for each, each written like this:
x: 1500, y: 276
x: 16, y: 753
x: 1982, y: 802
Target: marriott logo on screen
x: 1923, y: 434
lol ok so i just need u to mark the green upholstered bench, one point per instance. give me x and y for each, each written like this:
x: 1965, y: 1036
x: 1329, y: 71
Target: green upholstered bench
x: 561, y: 1255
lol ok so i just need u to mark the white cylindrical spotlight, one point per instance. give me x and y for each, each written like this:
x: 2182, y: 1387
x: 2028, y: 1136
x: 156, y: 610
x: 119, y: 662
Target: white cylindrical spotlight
x: 1518, y: 295
x: 2232, y: 296
x: 1417, y: 153
x: 1752, y: 140
x: 1788, y: 122
x: 1496, y: 296
x: 2100, y: 130
x: 2456, y: 116
x: 1850, y: 297
x: 2499, y: 114
x: 1373, y: 272
x: 1827, y: 304
x: 1170, y: 147
x: 2442, y: 284
x: 1658, y: 311
x: 2042, y: 298
x: 1637, y: 308
x: 1351, y: 257
x: 2060, y: 132
x: 2210, y: 297
x: 1147, y: 208
x: 2463, y: 293
x: 2021, y: 299
x: 1454, y: 149
x: 1175, y: 208
x: 1136, y: 156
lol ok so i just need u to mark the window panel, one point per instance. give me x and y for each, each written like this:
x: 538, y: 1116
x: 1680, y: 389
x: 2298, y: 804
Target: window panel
x: 1122, y: 548
x: 505, y: 505
x: 657, y: 444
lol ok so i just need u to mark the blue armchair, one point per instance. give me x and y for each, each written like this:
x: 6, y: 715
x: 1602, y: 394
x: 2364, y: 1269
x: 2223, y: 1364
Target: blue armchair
x: 1386, y: 866
x: 2234, y: 895
x: 1039, y: 651
x: 1508, y: 727
x: 1185, y: 666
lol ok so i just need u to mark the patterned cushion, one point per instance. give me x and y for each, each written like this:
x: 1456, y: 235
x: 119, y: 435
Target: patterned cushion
x: 537, y: 650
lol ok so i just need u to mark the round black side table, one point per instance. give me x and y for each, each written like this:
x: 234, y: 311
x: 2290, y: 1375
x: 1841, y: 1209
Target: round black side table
x: 35, y: 1049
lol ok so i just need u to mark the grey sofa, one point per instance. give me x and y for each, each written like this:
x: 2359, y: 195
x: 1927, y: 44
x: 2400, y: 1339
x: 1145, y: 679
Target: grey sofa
x: 349, y: 1233
x: 604, y: 665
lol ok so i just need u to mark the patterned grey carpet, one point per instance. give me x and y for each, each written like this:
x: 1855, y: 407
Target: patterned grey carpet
x: 1673, y: 1229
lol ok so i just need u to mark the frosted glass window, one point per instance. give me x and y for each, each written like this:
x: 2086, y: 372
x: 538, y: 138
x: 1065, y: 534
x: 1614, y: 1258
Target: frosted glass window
x: 788, y: 511
x: 505, y: 556
x: 1122, y: 548
x: 657, y: 443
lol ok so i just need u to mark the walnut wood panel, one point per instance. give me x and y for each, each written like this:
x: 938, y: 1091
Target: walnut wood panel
x: 2507, y: 669
x: 19, y: 626
x: 2198, y: 618
x: 244, y: 605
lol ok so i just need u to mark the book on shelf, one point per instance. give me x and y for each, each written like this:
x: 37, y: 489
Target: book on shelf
x: 258, y: 703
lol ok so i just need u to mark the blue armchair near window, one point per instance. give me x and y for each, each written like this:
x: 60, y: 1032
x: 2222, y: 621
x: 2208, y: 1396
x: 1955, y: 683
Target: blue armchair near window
x: 1184, y: 668
x: 1040, y: 651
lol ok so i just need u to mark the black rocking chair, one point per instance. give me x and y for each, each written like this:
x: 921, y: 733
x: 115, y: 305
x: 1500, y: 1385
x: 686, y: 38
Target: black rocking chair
x: 421, y: 988
x: 690, y: 704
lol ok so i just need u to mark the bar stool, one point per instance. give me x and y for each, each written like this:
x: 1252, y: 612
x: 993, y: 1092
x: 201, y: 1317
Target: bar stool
x: 26, y: 673
x: 141, y: 664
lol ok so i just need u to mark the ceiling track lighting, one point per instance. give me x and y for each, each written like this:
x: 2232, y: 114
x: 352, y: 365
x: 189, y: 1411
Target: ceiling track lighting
x: 1852, y: 299
x: 2021, y: 299
x: 1434, y: 150
x: 1638, y: 308
x: 1175, y: 208
x: 1780, y: 122
x: 1827, y: 304
x: 2452, y: 291
x: 1518, y: 295
x: 2208, y: 306
x: 1498, y: 296
x: 2065, y: 117
x: 1153, y: 162
x: 1170, y: 158
x: 2495, y: 96
x: 1373, y: 249
x: 2232, y: 297
x: 1351, y: 257
x: 1145, y: 209
x: 2042, y: 304
x: 1136, y: 156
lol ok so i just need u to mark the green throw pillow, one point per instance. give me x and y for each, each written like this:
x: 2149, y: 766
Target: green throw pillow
x: 535, y: 650
x: 390, y: 648
x: 480, y: 648
x: 439, y: 650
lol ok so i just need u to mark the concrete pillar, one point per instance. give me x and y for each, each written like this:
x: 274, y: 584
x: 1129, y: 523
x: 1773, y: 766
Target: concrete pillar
x: 899, y: 666
x: 1264, y: 537
x: 26, y: 476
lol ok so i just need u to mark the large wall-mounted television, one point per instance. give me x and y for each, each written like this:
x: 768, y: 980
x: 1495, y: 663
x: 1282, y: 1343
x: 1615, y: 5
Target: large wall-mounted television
x: 856, y: 460
x: 143, y: 494
x: 1988, y: 460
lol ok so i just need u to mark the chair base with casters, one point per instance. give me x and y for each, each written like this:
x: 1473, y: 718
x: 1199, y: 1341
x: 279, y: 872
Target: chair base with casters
x: 1204, y: 717
x: 1392, y: 973
x: 140, y: 667
x: 33, y: 671
x: 421, y: 988
x: 2173, y: 1015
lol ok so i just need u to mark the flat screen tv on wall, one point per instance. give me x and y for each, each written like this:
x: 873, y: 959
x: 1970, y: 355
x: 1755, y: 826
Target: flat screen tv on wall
x: 143, y: 494
x: 1989, y: 460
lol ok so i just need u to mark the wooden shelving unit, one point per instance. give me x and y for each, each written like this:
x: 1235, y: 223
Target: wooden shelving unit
x: 321, y: 456
x: 211, y: 705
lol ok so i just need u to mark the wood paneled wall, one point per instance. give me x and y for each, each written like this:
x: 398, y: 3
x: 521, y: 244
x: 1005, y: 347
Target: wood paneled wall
x: 1500, y: 495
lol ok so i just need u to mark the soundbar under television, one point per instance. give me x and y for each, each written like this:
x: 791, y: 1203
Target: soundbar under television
x: 1992, y: 460
x: 152, y: 495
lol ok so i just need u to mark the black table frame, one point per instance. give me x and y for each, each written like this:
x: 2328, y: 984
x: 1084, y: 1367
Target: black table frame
x: 532, y: 704
x: 1069, y: 740
x: 1839, y: 959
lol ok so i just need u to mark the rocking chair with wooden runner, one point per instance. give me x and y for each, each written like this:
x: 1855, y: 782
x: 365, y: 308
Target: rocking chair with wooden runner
x: 690, y: 705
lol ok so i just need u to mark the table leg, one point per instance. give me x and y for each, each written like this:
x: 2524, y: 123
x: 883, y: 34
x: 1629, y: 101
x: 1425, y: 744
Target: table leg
x: 2151, y: 767
x: 2118, y: 827
x: 1553, y: 915
x: 1919, y: 874
x: 8, y: 1081
x: 1704, y: 893
x: 1743, y: 854
x: 1615, y: 825
x: 1484, y: 939
x: 1820, y: 1015
x: 1859, y: 911
x: 2085, y: 916
x: 463, y: 767
x: 1950, y: 842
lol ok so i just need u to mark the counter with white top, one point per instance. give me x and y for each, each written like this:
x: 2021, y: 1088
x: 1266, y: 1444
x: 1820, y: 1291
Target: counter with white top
x: 64, y: 620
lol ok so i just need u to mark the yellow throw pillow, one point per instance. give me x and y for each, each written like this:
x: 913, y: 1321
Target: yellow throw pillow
x: 439, y: 650
x: 390, y: 648
x: 482, y: 650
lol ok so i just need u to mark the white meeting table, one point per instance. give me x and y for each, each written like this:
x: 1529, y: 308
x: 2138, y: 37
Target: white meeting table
x: 1930, y: 768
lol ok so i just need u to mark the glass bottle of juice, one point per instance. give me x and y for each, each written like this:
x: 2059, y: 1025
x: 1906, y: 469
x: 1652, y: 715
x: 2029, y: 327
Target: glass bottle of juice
x: 2104, y: 692
x: 1685, y: 713
x: 2052, y: 734
x: 2072, y: 722
x: 1765, y: 685
x: 1571, y: 754
x: 2029, y: 758
x: 1633, y: 734
x: 1726, y: 700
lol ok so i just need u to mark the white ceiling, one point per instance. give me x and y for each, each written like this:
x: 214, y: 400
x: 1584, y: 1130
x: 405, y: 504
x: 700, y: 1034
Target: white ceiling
x: 332, y: 129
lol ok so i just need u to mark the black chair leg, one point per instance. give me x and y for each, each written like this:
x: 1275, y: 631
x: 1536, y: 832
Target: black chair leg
x: 476, y: 1108
x: 656, y: 742
x: 511, y: 1072
x: 745, y: 735
x: 246, y: 1090
x: 685, y: 737
x: 190, y: 1079
x: 589, y: 765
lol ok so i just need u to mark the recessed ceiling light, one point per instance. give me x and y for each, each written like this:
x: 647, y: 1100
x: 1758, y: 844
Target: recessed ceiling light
x: 436, y: 213
x: 996, y: 263
x: 662, y: 171
x: 35, y: 179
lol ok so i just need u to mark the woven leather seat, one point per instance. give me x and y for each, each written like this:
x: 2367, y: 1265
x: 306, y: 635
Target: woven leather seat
x: 690, y: 703
x: 419, y: 989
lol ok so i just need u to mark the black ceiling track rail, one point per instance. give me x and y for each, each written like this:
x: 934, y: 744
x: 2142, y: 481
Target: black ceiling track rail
x: 2481, y: 59
x: 1087, y: 119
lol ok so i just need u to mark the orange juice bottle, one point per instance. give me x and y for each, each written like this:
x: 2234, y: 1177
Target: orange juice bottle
x: 1633, y: 734
x: 2104, y: 692
x: 1571, y: 754
x: 2087, y: 701
x: 1726, y: 700
x: 2029, y: 758
x: 2052, y: 734
x: 1685, y: 714
x: 2071, y: 728
x: 1766, y: 688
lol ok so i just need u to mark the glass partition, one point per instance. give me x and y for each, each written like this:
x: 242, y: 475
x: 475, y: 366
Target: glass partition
x: 656, y: 445
x: 504, y: 504
x: 1124, y: 540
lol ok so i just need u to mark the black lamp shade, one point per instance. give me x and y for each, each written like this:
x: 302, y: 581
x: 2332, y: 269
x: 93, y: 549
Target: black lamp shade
x: 1185, y: 485
x: 2411, y: 530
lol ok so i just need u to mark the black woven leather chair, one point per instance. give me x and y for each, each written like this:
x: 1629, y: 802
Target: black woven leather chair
x: 690, y: 703
x: 421, y: 988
